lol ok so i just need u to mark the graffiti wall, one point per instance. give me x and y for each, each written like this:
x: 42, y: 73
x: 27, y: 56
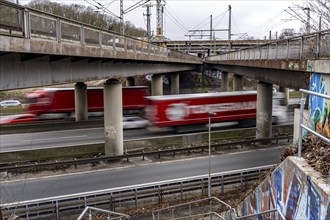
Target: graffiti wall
x: 291, y: 192
x: 320, y: 107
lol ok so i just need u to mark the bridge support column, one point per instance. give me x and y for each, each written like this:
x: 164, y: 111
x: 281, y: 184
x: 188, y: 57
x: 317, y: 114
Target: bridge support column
x: 113, y: 118
x: 238, y: 83
x: 80, y: 101
x: 157, y: 85
x: 224, y: 81
x: 264, y: 110
x: 175, y: 83
x: 286, y: 92
x: 130, y: 81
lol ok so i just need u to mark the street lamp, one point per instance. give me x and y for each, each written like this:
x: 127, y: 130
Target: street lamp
x: 210, y: 114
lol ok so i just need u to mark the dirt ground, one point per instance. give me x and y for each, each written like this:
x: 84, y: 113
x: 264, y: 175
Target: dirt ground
x: 316, y: 152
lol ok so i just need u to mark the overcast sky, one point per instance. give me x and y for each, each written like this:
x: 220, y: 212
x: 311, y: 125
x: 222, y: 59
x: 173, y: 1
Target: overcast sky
x: 254, y: 18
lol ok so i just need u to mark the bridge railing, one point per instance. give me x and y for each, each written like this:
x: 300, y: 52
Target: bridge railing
x: 310, y: 46
x: 19, y: 21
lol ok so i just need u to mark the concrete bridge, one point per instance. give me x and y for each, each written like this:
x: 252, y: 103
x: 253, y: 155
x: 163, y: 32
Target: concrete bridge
x: 39, y: 49
x: 212, y: 47
x: 288, y: 63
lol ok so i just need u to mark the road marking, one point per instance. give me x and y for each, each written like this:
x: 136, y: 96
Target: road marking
x: 46, y: 139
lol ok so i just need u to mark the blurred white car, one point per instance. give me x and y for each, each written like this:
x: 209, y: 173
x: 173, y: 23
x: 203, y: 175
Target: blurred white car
x: 21, y: 118
x: 130, y: 122
x: 7, y: 103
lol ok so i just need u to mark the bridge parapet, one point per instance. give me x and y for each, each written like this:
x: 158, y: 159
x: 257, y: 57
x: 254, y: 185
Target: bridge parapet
x: 31, y: 24
x: 310, y: 46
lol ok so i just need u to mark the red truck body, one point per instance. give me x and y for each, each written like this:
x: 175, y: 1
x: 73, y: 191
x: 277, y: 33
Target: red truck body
x: 61, y: 100
x: 192, y: 109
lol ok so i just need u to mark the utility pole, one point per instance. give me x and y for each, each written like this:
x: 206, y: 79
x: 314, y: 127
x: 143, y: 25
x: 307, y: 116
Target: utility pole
x: 211, y: 27
x: 160, y: 11
x: 211, y: 30
x: 229, y: 23
x: 148, y: 6
x: 308, y: 25
x: 122, y: 28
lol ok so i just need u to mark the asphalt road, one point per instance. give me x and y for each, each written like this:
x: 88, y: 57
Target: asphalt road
x: 62, y: 138
x: 27, y: 189
x: 53, y: 139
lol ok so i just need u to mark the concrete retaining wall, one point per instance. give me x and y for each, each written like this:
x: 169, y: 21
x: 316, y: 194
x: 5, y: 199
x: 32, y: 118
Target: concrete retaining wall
x: 294, y: 189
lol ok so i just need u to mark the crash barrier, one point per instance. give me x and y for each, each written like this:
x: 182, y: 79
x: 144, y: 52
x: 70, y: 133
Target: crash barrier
x: 60, y: 207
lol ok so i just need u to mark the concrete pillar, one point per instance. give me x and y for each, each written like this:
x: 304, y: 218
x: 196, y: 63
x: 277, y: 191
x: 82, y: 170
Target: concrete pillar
x: 157, y: 85
x: 286, y: 92
x: 130, y: 81
x: 175, y: 83
x: 224, y: 81
x: 80, y: 101
x: 238, y: 83
x: 113, y: 118
x: 264, y: 110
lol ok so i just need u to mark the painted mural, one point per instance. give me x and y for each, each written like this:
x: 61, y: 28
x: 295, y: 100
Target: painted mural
x: 289, y: 191
x: 320, y: 107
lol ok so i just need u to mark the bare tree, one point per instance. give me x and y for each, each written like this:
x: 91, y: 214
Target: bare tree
x: 86, y: 15
x: 286, y: 33
x: 320, y: 8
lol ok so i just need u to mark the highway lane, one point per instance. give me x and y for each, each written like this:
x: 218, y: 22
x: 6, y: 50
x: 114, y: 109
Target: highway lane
x: 36, y: 188
x: 62, y: 138
x: 53, y: 139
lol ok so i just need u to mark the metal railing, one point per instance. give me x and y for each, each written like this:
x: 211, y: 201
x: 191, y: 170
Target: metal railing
x: 110, y: 215
x: 26, y: 22
x: 309, y: 46
x: 302, y: 126
x: 270, y: 214
x: 20, y: 21
x: 193, y: 210
x: 63, y: 206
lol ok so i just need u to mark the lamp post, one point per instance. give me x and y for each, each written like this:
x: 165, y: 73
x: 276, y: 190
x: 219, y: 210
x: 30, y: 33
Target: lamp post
x: 210, y: 114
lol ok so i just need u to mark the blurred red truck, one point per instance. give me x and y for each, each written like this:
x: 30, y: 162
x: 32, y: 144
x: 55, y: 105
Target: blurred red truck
x: 59, y: 102
x: 194, y: 109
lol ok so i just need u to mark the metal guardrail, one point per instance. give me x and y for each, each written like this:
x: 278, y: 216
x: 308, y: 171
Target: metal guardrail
x: 38, y: 166
x: 309, y: 46
x: 110, y: 199
x: 270, y: 214
x: 20, y: 21
x: 192, y: 210
x: 302, y: 126
x: 110, y: 215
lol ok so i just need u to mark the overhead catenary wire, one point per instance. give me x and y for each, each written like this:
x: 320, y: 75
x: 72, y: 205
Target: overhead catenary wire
x: 175, y: 22
x: 174, y: 14
x: 266, y: 26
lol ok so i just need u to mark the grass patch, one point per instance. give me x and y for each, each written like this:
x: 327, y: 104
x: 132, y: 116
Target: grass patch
x: 296, y: 94
x: 12, y: 110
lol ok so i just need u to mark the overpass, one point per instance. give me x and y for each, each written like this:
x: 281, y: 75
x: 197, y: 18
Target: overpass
x: 282, y: 62
x: 39, y: 49
x: 212, y: 47
x: 297, y: 62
